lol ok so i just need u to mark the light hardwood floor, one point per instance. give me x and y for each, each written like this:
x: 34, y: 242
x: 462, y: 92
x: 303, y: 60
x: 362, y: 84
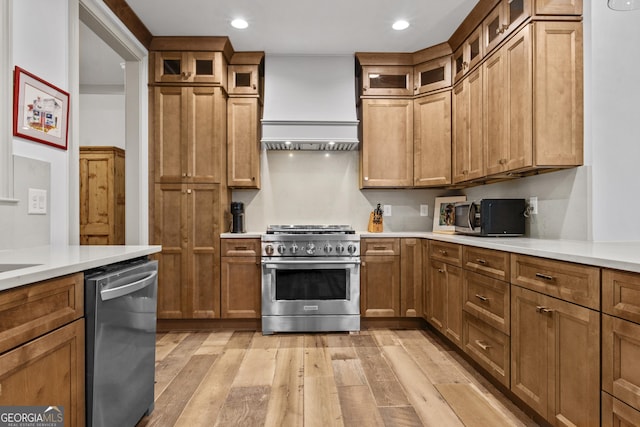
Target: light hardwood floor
x: 373, y: 378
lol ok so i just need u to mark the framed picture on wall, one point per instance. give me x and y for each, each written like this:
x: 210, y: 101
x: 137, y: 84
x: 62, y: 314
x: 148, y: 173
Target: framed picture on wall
x: 444, y: 214
x: 40, y: 110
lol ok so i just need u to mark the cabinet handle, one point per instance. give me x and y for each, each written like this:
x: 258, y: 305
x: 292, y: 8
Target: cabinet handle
x: 253, y: 178
x: 481, y: 261
x: 465, y: 64
x: 482, y: 345
x: 364, y: 89
x: 482, y: 298
x: 543, y: 309
x: 544, y: 276
x: 184, y: 175
x: 440, y: 270
x: 465, y: 172
x: 254, y: 87
x: 241, y: 248
x: 189, y: 191
x: 363, y: 263
x: 366, y: 178
x: 503, y: 28
x: 379, y: 248
x: 443, y: 252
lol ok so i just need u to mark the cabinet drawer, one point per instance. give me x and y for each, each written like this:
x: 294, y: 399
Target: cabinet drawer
x: 621, y: 294
x: 487, y: 346
x: 380, y: 246
x: 33, y: 310
x: 617, y: 414
x: 565, y: 280
x: 620, y: 356
x: 487, y: 261
x: 487, y: 299
x: 450, y: 253
x: 240, y: 247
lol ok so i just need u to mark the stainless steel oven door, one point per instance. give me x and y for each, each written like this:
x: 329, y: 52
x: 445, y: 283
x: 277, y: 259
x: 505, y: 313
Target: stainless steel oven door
x: 299, y: 287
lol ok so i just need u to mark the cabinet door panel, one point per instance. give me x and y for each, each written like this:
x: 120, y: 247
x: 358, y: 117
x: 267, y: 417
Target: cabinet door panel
x: 460, y: 134
x: 617, y: 414
x: 241, y: 287
x: 620, y: 356
x: 495, y: 112
x: 411, y: 280
x: 243, y: 148
x: 437, y: 295
x: 488, y: 347
x: 206, y: 130
x: 170, y: 133
x: 426, y: 284
x: 380, y: 286
x: 432, y: 132
x: 453, y: 323
x: 488, y: 299
x: 621, y: 294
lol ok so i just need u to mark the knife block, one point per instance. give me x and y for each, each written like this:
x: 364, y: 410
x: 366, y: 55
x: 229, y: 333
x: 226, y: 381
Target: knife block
x: 375, y: 223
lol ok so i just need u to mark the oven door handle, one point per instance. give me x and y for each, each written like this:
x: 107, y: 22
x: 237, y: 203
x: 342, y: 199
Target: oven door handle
x: 274, y: 264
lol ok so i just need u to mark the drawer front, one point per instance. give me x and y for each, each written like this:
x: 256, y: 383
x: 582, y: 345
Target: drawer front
x: 450, y: 253
x: 487, y: 299
x: 617, y: 414
x: 33, y: 310
x: 487, y: 346
x: 620, y: 356
x: 621, y: 294
x: 489, y: 262
x: 565, y: 280
x: 240, y: 247
x: 380, y: 246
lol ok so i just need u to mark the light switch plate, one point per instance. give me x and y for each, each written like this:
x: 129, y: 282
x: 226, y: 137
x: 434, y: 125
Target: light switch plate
x: 424, y: 210
x: 386, y: 210
x: 37, y: 202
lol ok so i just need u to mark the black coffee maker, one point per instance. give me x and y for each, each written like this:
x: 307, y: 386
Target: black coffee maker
x: 237, y: 217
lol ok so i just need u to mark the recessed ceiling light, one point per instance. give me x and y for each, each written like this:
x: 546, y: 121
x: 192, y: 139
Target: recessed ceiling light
x: 240, y: 24
x: 400, y: 25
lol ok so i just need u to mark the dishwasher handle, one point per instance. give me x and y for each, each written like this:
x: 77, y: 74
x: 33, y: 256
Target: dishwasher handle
x: 129, y: 288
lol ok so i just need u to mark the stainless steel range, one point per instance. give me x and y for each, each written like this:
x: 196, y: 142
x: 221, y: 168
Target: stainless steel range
x: 310, y: 279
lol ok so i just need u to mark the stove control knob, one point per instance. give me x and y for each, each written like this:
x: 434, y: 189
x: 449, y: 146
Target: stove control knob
x: 311, y: 249
x: 340, y: 249
x: 328, y: 248
x: 351, y: 249
x: 268, y: 250
x: 281, y: 249
x: 294, y: 248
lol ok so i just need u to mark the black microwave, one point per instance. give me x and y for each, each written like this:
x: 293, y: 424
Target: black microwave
x: 490, y: 217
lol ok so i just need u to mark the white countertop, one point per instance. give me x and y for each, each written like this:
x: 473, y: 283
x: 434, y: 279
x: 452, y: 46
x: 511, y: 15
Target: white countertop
x: 618, y: 255
x: 59, y: 261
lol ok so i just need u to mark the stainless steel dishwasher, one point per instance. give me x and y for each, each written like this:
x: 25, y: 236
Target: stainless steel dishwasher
x: 120, y: 307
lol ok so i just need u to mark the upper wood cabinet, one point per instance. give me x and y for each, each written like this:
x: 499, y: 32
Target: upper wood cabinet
x: 102, y: 196
x: 387, y: 143
x: 388, y: 80
x: 243, y: 80
x: 432, y: 140
x: 467, y: 141
x: 190, y: 67
x: 189, y: 133
x: 432, y: 75
x: 243, y: 142
x: 503, y: 20
x: 468, y: 55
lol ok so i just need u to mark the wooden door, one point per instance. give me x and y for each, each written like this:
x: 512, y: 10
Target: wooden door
x: 380, y: 286
x: 170, y: 149
x: 530, y: 349
x: 206, y: 134
x: 432, y: 146
x: 48, y: 371
x: 243, y: 143
x: 387, y: 143
x: 460, y: 134
x: 453, y: 303
x: 437, y: 294
x: 425, y: 278
x: 411, y: 279
x: 495, y: 112
x: 467, y: 144
x: 475, y: 152
x: 241, y: 287
x: 620, y: 355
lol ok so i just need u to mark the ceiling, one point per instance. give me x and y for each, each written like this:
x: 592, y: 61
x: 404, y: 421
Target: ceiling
x: 311, y: 27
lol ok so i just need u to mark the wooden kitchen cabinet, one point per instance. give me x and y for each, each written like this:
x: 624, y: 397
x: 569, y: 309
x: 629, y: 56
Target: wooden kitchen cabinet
x: 487, y: 299
x: 467, y: 139
x: 432, y: 143
x: 387, y: 143
x: 102, y: 196
x: 432, y: 75
x: 241, y: 279
x: 503, y: 20
x: 387, y: 80
x: 411, y: 277
x: 620, y: 355
x: 555, y: 352
x: 243, y: 142
x: 243, y: 79
x: 186, y: 225
x: 487, y: 346
x: 618, y: 414
x: 380, y: 277
x: 189, y: 67
x: 189, y: 134
x: 425, y: 278
x: 42, y: 346
x: 621, y: 294
x: 468, y: 55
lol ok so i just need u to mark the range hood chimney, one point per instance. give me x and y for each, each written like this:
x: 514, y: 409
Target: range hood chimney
x: 309, y: 103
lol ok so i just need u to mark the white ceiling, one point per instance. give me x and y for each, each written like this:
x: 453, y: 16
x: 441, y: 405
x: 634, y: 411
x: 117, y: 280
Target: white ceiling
x: 313, y: 27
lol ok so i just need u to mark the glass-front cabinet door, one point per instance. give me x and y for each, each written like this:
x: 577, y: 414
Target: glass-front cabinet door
x: 188, y: 67
x: 433, y: 75
x: 387, y: 80
x: 243, y: 79
x: 505, y: 18
x: 468, y: 55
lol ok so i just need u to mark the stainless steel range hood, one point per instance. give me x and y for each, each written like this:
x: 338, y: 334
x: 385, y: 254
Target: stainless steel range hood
x: 309, y: 103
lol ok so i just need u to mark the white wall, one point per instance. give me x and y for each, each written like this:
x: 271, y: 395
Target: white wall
x: 615, y: 122
x: 102, y: 120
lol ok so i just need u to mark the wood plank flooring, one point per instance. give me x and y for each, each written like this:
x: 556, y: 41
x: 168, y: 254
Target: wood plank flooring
x: 377, y: 377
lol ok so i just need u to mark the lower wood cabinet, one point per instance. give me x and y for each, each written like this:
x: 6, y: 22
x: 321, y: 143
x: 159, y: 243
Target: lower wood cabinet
x: 618, y: 414
x: 445, y: 299
x: 241, y: 279
x: 380, y: 286
x: 621, y: 359
x: 411, y: 277
x: 487, y: 346
x: 555, y: 354
x: 186, y: 224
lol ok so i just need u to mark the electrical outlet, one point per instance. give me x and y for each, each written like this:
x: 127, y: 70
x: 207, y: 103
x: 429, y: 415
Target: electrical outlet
x: 386, y: 210
x: 424, y: 210
x: 533, y: 205
x: 37, y: 201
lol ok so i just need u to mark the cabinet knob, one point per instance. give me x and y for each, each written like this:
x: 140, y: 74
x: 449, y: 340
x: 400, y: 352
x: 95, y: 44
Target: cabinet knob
x: 189, y: 191
x: 184, y: 175
x: 364, y: 89
x: 366, y: 178
x: 254, y: 86
x: 363, y: 263
x: 544, y: 276
x: 440, y: 270
x: 543, y: 309
x: 481, y: 261
x: 443, y: 252
x: 253, y: 178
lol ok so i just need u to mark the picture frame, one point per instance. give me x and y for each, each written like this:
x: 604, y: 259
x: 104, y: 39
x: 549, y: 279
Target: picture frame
x: 444, y: 214
x: 40, y: 110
